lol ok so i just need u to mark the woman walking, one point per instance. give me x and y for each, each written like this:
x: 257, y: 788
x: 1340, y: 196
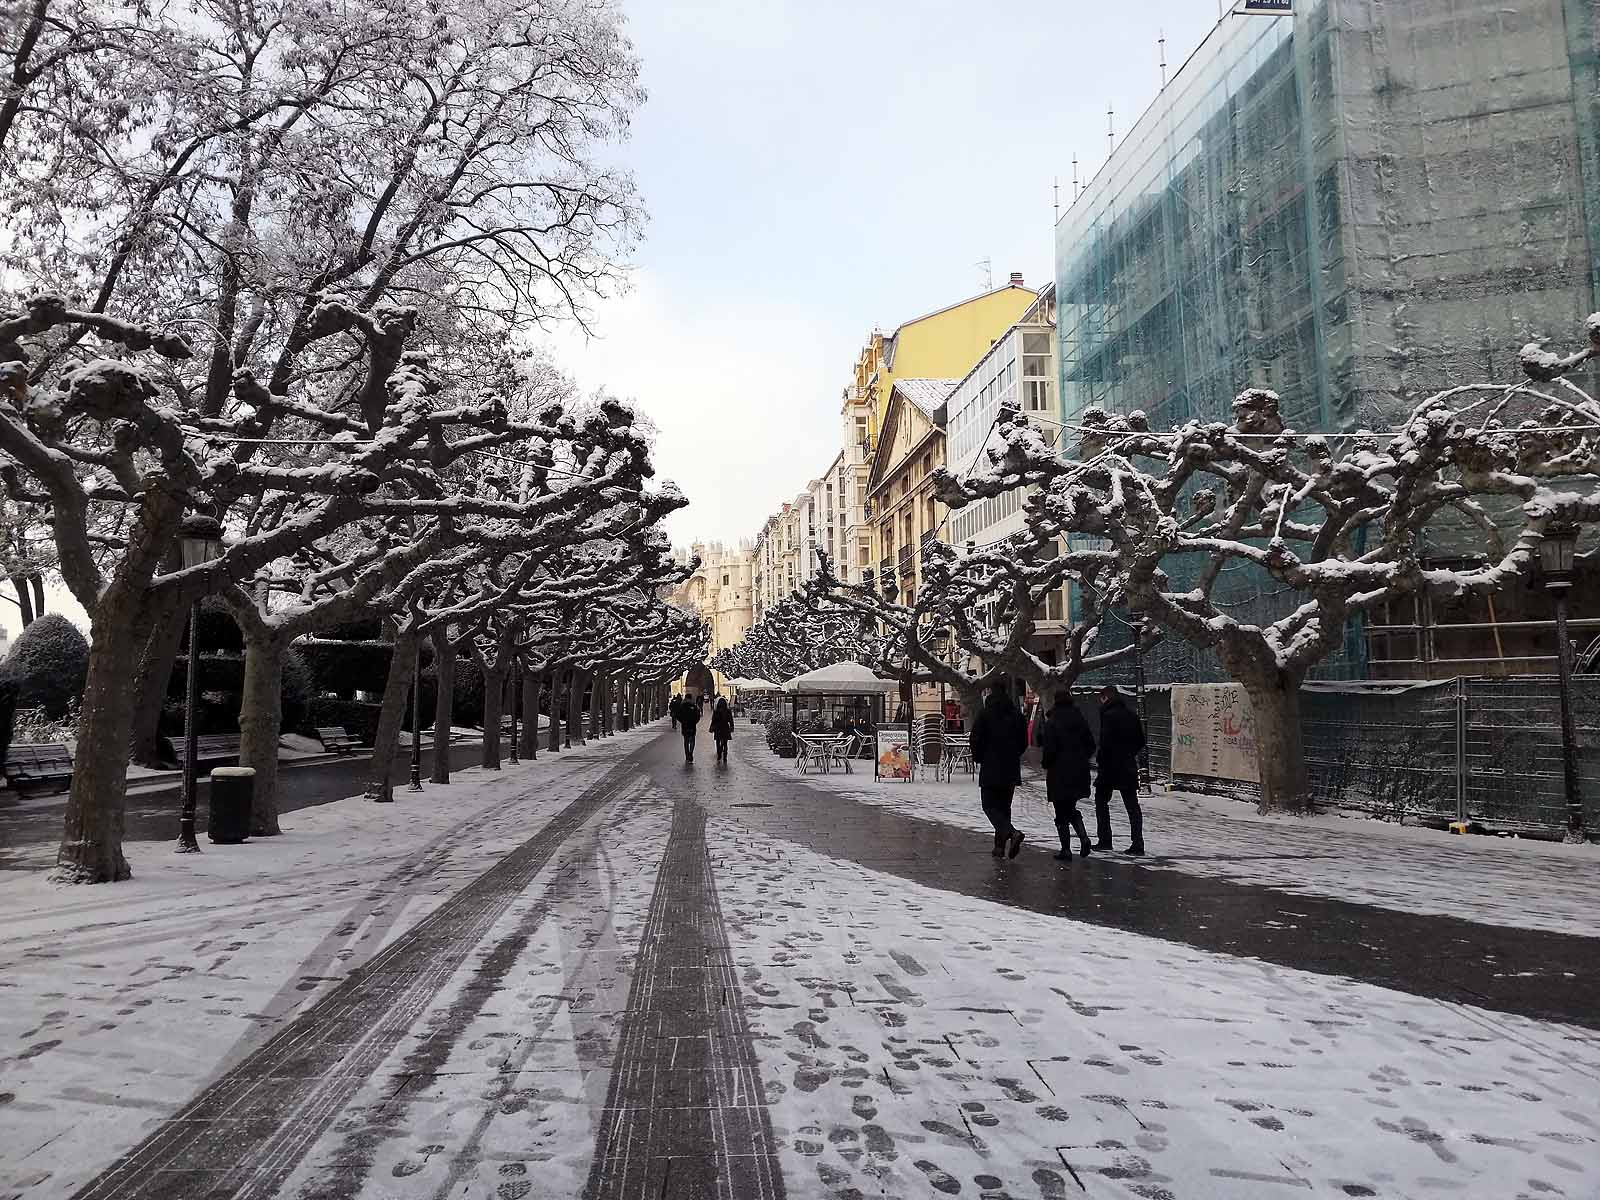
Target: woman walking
x: 999, y: 739
x: 1065, y: 745
x: 722, y: 727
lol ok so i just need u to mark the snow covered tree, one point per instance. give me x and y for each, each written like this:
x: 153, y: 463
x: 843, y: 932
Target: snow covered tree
x: 1339, y: 523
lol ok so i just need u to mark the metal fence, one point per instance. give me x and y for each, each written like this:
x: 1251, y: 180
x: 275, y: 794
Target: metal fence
x: 1481, y: 749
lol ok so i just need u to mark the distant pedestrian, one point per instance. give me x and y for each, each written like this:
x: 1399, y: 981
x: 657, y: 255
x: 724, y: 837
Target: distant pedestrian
x: 1065, y: 746
x: 674, y: 709
x: 722, y: 728
x: 1121, y: 740
x: 688, y: 718
x: 999, y: 739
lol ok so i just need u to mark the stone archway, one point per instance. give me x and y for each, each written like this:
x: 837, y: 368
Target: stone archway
x: 700, y: 681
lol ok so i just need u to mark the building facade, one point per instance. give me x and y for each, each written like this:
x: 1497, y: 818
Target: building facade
x: 722, y: 591
x: 1354, y: 206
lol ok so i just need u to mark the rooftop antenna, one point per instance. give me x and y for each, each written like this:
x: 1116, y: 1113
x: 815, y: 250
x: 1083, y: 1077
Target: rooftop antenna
x: 987, y: 267
x: 1074, y: 178
x: 1111, y: 131
x: 1162, y: 43
x: 1055, y: 196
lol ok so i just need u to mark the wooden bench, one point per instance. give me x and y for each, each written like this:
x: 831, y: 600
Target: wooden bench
x: 334, y: 738
x: 209, y: 747
x: 30, y: 763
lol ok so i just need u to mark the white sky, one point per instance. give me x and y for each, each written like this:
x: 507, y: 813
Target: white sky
x: 813, y: 168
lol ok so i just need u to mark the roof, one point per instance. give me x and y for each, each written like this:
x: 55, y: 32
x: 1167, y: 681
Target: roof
x: 846, y: 678
x: 890, y: 341
x: 927, y: 394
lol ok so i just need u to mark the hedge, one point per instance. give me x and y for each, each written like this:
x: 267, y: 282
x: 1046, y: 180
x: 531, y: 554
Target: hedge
x: 358, y: 717
x: 49, y: 663
x: 345, y: 667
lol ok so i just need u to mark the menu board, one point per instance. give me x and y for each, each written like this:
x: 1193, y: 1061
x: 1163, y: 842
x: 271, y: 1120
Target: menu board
x: 894, y: 752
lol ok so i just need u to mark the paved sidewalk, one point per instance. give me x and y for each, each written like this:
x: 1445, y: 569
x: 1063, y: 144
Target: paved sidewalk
x: 668, y: 981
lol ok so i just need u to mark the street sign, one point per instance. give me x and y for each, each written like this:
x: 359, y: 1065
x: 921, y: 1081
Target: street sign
x: 1266, y: 8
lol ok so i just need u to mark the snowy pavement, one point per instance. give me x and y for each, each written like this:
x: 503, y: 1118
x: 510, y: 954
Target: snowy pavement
x: 610, y: 975
x: 1520, y: 883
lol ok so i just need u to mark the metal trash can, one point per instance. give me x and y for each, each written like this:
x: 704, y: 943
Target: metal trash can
x: 233, y: 792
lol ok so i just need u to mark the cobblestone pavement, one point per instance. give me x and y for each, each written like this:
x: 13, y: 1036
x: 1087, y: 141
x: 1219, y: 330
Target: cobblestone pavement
x: 710, y: 981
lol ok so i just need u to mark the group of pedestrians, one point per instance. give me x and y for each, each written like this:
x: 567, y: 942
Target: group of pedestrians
x: 1066, y: 744
x: 686, y: 712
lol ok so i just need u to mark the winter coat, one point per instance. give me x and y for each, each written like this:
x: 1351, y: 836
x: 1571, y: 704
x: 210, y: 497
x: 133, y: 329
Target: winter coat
x: 1121, y: 738
x: 722, y: 724
x: 673, y: 710
x: 688, y: 716
x: 1066, y: 746
x: 999, y: 739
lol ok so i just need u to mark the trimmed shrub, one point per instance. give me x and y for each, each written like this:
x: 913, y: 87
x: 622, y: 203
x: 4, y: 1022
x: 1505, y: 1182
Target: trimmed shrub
x: 218, y: 630
x: 49, y: 664
x: 298, y: 688
x: 219, y: 673
x: 345, y: 667
x: 780, y: 738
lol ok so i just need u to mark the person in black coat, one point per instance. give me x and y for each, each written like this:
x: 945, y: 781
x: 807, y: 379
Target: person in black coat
x: 722, y: 728
x: 999, y: 739
x: 1065, y: 746
x: 688, y: 718
x: 1121, y: 740
x: 674, y: 708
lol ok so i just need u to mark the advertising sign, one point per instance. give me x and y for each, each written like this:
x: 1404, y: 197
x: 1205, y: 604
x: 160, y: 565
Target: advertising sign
x: 1214, y: 732
x: 1269, y: 8
x: 894, y: 752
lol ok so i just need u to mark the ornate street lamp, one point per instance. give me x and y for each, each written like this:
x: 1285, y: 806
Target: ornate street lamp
x: 199, y: 542
x: 416, y: 723
x: 1136, y: 619
x: 1557, y: 551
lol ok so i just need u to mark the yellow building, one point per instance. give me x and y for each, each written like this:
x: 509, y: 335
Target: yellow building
x: 940, y: 345
x: 722, y: 592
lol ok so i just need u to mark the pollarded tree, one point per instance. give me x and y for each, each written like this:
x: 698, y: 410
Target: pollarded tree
x: 1340, y: 532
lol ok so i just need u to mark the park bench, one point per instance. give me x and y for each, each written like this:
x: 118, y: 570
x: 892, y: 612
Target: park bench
x: 334, y: 738
x: 30, y: 763
x: 209, y: 747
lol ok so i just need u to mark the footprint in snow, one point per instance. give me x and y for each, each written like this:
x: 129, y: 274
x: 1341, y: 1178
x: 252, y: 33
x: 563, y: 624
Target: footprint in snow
x: 941, y: 1179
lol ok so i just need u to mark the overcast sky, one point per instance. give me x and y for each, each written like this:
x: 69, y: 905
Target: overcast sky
x: 813, y: 168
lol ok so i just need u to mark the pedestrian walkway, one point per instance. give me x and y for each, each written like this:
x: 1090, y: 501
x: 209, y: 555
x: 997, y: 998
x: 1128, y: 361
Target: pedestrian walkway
x: 675, y: 981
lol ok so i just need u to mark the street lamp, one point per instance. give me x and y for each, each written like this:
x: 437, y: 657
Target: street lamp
x: 1557, y: 549
x: 516, y: 677
x: 416, y: 722
x: 199, y: 542
x: 1136, y: 620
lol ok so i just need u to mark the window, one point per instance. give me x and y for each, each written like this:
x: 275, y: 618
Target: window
x: 927, y: 463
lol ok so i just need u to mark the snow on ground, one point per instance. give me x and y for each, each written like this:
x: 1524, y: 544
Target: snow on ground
x: 1521, y: 883
x: 914, y: 1042
x: 118, y: 1002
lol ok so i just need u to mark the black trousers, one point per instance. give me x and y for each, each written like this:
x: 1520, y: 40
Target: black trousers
x: 688, y: 744
x: 722, y: 749
x: 1068, y: 818
x: 1125, y: 781
x: 997, y: 807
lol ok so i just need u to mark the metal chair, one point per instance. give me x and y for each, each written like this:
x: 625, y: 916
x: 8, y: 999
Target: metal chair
x: 957, y: 752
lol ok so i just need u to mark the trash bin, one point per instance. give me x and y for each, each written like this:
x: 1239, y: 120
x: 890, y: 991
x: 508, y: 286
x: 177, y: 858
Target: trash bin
x: 233, y: 791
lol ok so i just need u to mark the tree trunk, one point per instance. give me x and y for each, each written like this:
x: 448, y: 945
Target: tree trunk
x: 260, y: 722
x: 528, y: 735
x: 444, y: 702
x: 396, y: 695
x: 1275, y: 708
x: 575, y: 708
x: 557, y: 699
x: 155, y: 673
x: 38, y: 594
x: 24, y: 599
x: 494, y: 691
x: 91, y: 839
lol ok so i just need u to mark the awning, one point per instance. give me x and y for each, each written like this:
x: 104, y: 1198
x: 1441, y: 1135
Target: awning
x: 841, y: 679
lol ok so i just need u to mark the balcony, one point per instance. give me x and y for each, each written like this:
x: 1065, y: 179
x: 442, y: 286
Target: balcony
x: 905, y: 559
x: 886, y: 569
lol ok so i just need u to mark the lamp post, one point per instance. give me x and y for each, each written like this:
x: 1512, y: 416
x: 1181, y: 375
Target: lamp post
x: 1136, y: 622
x: 512, y: 749
x: 199, y: 542
x: 416, y: 722
x: 1557, y: 548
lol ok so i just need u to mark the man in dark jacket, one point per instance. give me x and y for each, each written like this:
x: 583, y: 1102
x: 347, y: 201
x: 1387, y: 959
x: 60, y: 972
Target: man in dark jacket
x: 673, y: 708
x: 999, y: 739
x: 1065, y: 746
x: 688, y: 718
x: 1121, y: 739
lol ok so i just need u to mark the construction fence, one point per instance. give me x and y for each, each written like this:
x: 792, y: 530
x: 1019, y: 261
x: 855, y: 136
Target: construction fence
x: 1476, y: 749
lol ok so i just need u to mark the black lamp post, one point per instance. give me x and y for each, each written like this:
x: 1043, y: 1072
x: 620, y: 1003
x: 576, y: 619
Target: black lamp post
x: 1557, y: 549
x: 199, y: 542
x: 1136, y: 622
x: 515, y: 678
x: 416, y: 723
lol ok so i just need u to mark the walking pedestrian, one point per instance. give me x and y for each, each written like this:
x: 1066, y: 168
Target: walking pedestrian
x: 1065, y: 746
x: 1121, y: 739
x: 999, y: 739
x: 675, y: 708
x: 722, y: 727
x: 688, y: 718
